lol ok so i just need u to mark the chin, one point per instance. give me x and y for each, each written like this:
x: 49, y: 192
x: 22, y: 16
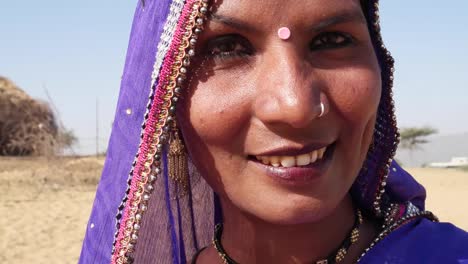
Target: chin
x: 287, y: 209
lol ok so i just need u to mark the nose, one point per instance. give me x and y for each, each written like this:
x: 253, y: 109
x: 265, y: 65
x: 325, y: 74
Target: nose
x: 287, y: 92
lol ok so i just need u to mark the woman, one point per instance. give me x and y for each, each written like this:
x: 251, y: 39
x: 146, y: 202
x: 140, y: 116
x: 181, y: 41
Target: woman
x: 268, y: 138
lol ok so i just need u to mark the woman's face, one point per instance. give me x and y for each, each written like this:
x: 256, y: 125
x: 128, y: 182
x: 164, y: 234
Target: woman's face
x: 250, y: 117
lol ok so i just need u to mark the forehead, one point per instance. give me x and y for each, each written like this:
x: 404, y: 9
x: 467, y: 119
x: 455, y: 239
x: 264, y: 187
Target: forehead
x: 269, y: 13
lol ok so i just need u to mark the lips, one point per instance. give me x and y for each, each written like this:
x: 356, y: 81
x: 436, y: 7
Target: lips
x: 295, y: 167
x: 293, y: 160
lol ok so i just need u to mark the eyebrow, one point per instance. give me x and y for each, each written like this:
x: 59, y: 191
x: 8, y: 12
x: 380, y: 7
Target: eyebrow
x: 340, y: 18
x: 234, y: 23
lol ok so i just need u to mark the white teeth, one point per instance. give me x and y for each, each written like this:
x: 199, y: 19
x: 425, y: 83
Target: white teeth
x: 303, y: 160
x: 288, y: 161
x: 274, y: 161
x: 291, y: 161
x: 313, y: 156
x: 321, y: 152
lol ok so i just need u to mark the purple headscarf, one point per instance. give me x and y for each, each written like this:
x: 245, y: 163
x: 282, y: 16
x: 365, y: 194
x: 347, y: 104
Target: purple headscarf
x: 137, y: 216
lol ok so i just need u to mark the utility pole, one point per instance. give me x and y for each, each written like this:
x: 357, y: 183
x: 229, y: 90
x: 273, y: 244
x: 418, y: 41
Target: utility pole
x: 97, y: 127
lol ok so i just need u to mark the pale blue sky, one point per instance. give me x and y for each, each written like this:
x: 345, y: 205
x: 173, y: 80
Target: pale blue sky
x: 76, y: 49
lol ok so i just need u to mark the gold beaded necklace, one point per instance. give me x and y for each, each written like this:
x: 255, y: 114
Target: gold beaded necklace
x: 336, y: 257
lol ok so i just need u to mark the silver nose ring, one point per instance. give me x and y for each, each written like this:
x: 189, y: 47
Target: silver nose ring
x: 322, y: 109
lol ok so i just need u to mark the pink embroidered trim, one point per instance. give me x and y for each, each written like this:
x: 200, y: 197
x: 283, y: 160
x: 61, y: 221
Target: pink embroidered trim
x: 153, y: 119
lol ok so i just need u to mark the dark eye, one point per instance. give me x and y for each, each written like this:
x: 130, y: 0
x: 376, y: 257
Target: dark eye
x: 331, y: 40
x: 228, y: 46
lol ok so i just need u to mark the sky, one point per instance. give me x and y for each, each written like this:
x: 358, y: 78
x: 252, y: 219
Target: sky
x: 72, y: 53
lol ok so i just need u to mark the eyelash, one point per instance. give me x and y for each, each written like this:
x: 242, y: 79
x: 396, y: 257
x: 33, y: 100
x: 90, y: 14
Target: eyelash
x: 239, y: 47
x: 332, y: 40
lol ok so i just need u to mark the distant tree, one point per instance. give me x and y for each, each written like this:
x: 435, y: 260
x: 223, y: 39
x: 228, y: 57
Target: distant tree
x: 412, y: 138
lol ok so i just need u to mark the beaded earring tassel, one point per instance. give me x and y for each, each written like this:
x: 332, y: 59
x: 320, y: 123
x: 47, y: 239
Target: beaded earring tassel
x: 177, y: 162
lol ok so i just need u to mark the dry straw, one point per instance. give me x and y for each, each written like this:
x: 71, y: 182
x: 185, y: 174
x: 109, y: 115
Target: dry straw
x: 27, y: 126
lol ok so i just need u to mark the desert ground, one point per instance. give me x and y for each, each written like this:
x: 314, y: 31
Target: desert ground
x: 45, y: 204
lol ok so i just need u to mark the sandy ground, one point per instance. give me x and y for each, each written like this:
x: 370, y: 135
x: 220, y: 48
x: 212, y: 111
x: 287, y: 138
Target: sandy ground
x: 446, y: 193
x: 45, y: 205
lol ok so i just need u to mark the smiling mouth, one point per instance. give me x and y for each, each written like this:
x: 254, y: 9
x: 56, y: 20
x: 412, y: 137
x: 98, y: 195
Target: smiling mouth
x: 311, y: 158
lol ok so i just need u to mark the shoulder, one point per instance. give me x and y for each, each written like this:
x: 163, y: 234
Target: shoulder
x: 444, y: 236
x: 421, y: 241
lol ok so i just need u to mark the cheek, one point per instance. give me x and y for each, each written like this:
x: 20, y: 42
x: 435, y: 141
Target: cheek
x: 356, y: 97
x: 213, y: 117
x: 355, y: 100
x: 218, y: 111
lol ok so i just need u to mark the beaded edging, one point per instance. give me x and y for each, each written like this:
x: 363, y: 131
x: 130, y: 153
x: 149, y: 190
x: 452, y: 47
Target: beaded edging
x: 396, y: 216
x: 162, y: 49
x: 386, y: 136
x: 161, y: 114
x: 387, y: 132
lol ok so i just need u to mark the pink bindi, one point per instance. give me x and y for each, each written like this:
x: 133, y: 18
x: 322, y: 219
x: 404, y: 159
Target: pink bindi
x: 284, y: 33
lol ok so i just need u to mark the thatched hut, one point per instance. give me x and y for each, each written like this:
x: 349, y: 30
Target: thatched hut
x: 27, y: 126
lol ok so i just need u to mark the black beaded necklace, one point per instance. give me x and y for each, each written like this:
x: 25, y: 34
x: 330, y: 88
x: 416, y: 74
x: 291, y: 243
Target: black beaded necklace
x: 336, y: 257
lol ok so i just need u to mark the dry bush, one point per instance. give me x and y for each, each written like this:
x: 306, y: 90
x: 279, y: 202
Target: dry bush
x: 27, y: 126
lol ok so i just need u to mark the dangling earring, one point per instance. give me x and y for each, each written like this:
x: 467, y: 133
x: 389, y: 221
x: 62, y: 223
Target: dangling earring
x: 177, y: 161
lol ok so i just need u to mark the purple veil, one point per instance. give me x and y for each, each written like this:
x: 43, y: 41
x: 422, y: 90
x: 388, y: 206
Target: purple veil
x: 138, y: 216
